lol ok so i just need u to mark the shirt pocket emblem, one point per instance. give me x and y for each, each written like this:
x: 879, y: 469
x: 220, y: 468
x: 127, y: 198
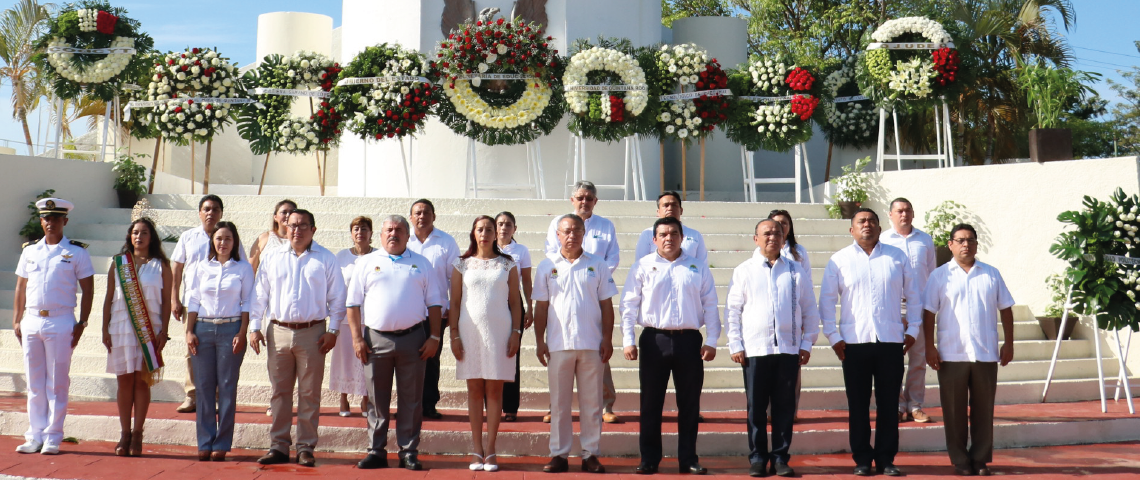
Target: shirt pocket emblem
x: 554, y: 273
x: 693, y: 268
x: 590, y: 272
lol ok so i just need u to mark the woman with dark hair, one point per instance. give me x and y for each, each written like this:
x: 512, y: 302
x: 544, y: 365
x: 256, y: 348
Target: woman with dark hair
x: 485, y: 335
x: 346, y: 373
x: 505, y: 228
x: 135, y: 315
x: 217, y: 309
x: 792, y: 250
x: 277, y: 234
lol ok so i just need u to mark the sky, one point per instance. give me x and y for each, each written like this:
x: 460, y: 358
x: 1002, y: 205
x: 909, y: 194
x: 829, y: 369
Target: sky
x: 1102, y: 38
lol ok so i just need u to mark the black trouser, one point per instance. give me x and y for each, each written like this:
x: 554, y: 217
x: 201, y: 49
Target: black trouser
x: 661, y: 353
x: 879, y: 365
x: 511, y: 390
x: 770, y: 379
x: 431, y: 373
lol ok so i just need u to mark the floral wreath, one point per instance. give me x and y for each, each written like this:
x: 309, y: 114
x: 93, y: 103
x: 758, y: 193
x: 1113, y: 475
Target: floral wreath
x: 135, y: 121
x: 277, y: 81
x: 91, y: 25
x: 849, y: 122
x: 522, y: 104
x: 384, y: 93
x: 691, y: 114
x: 887, y: 74
x: 181, y: 76
x: 609, y: 115
x: 776, y: 100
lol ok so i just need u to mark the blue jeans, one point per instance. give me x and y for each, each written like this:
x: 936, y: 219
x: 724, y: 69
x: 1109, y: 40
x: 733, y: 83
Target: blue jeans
x: 216, y: 368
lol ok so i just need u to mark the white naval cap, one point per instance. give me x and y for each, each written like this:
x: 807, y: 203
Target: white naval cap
x: 53, y: 206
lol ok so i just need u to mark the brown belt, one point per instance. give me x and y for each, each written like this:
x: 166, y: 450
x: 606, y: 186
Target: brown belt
x: 298, y: 325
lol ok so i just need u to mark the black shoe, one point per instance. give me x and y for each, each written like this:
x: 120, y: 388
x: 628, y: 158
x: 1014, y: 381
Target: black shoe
x: 273, y: 458
x: 373, y: 461
x: 306, y: 459
x: 645, y: 469
x: 557, y: 464
x: 964, y: 471
x: 984, y: 470
x: 695, y: 469
x: 889, y: 470
x: 593, y: 465
x: 433, y: 414
x: 758, y: 469
x: 411, y: 462
x: 862, y: 471
x: 783, y: 470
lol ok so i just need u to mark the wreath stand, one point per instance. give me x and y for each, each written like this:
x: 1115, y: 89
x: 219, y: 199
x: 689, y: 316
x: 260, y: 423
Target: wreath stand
x: 945, y: 142
x: 1121, y: 353
x: 405, y: 162
x: 534, y: 174
x: 748, y: 166
x: 632, y: 163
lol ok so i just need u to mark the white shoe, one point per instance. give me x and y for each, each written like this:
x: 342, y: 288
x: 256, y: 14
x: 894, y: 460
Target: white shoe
x: 50, y: 449
x: 488, y: 467
x: 478, y: 465
x: 30, y: 446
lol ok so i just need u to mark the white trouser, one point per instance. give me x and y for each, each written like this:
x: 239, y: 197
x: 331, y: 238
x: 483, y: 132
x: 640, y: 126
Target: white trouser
x: 565, y: 366
x: 47, y: 362
x: 914, y: 385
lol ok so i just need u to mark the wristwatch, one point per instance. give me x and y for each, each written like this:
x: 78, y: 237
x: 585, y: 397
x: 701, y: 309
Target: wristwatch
x: 434, y: 337
x: 520, y: 331
x: 334, y: 331
x: 82, y: 324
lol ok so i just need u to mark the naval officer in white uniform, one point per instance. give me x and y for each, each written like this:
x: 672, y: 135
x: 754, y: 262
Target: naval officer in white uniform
x: 49, y: 273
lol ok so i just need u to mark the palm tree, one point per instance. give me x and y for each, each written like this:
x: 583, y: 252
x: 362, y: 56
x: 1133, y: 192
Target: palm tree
x: 19, y: 28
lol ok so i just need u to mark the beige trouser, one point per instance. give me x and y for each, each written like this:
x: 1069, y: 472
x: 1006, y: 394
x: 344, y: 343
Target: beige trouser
x: 565, y: 366
x: 295, y: 356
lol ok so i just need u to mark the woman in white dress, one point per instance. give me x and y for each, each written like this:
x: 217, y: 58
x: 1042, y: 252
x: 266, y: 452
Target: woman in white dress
x: 346, y: 373
x: 505, y: 228
x: 277, y: 234
x: 485, y: 335
x: 125, y: 356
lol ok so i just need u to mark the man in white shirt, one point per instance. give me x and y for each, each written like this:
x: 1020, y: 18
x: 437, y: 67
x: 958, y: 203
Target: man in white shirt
x: 919, y: 250
x: 193, y: 247
x: 396, y: 287
x: 870, y: 280
x: 298, y: 287
x: 671, y: 295
x: 574, y: 294
x: 669, y: 205
x: 963, y: 301
x: 440, y: 250
x: 772, y: 324
x: 600, y: 241
x: 48, y: 273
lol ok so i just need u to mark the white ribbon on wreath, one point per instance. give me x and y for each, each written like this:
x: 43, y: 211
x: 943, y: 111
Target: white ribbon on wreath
x: 154, y: 103
x: 375, y: 80
x: 721, y: 92
x: 289, y: 92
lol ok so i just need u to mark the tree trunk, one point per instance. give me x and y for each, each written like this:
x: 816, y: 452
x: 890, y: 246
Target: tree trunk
x: 206, y: 174
x: 27, y: 132
x: 154, y: 164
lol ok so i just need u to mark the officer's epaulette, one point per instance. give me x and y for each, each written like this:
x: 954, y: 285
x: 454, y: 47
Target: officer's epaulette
x: 25, y: 245
x: 78, y: 243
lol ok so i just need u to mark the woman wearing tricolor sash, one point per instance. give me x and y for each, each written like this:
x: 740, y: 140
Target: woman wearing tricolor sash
x: 217, y: 311
x: 135, y: 313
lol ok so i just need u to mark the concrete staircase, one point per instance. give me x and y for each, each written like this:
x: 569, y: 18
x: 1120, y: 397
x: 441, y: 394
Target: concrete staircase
x: 725, y: 226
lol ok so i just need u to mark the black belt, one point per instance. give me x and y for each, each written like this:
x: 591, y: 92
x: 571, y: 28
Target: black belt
x: 671, y: 333
x: 400, y: 333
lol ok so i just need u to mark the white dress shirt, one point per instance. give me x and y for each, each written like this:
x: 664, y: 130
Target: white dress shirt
x: 53, y: 273
x: 919, y: 249
x: 600, y: 241
x: 193, y: 247
x: 301, y: 288
x: 693, y: 244
x: 967, y: 306
x: 804, y: 261
x: 871, y: 289
x: 221, y: 290
x: 393, y: 291
x: 441, y: 251
x: 574, y: 290
x: 770, y: 308
x: 520, y: 254
x: 677, y: 295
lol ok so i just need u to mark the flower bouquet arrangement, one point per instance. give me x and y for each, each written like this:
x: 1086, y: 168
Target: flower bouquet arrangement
x: 115, y: 38
x: 502, y: 80
x: 258, y: 126
x: 180, y: 77
x: 847, y: 122
x: 775, y: 101
x: 276, y: 83
x: 910, y: 59
x: 608, y: 92
x: 385, y: 93
x: 701, y: 106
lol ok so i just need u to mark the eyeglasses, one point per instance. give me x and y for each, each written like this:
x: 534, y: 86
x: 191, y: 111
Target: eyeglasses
x: 964, y: 241
x: 299, y: 226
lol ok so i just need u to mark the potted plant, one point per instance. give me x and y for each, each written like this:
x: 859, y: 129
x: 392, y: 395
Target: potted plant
x: 939, y: 221
x: 130, y: 180
x: 32, y: 230
x: 1050, y: 320
x: 1049, y: 90
x: 850, y: 190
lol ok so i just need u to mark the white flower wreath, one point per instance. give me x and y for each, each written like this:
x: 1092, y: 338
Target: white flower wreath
x: 99, y: 72
x: 684, y: 63
x: 929, y: 29
x: 195, y: 72
x: 849, y: 122
x: 598, y: 58
x: 474, y: 108
x: 307, y: 69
